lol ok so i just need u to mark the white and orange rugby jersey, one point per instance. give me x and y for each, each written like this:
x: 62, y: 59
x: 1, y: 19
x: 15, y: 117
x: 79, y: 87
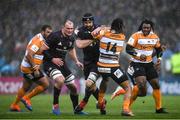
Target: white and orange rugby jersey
x: 34, y: 45
x: 144, y: 45
x: 110, y: 47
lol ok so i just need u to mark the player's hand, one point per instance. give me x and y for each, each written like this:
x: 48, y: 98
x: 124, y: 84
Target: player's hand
x: 143, y: 57
x: 80, y: 65
x: 163, y: 47
x: 36, y: 67
x: 96, y: 31
x: 36, y: 73
x: 58, y: 61
x: 157, y: 65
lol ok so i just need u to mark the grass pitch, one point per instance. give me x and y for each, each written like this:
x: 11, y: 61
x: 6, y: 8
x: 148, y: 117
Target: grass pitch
x: 143, y: 108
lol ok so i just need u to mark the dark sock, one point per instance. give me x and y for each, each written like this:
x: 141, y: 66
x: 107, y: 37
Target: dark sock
x: 74, y: 99
x: 56, y: 95
x: 95, y: 93
x: 87, y: 95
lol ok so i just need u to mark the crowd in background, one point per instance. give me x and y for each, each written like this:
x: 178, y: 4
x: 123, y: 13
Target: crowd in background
x: 22, y: 19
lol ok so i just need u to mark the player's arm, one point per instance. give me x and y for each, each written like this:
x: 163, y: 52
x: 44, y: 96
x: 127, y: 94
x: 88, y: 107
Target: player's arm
x: 73, y: 55
x: 159, y: 52
x: 99, y: 32
x: 83, y: 43
x: 130, y: 50
x: 83, y: 39
x: 30, y: 56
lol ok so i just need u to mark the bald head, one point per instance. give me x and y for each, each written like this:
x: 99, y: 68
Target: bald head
x: 68, y: 28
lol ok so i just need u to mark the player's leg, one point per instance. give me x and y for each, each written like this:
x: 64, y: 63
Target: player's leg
x: 121, y: 79
x: 152, y: 77
x: 139, y: 89
x: 126, y: 100
x: 43, y: 83
x: 84, y: 101
x: 101, y: 100
x: 21, y: 92
x: 55, y: 73
x: 69, y: 81
x: 59, y: 81
x: 91, y: 76
x: 91, y: 83
x: 119, y: 91
x: 137, y: 71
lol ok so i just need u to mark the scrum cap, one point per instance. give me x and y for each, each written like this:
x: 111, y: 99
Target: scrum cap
x: 87, y: 16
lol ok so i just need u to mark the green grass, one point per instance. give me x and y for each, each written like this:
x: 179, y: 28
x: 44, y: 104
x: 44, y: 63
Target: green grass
x: 42, y: 106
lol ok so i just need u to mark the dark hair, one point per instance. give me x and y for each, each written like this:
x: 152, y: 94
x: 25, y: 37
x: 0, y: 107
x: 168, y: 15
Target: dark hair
x: 87, y: 16
x: 146, y: 21
x: 44, y: 27
x: 117, y: 25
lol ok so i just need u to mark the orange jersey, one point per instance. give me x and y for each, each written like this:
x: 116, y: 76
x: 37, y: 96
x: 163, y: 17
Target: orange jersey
x: 144, y: 45
x: 111, y: 46
x: 34, y: 45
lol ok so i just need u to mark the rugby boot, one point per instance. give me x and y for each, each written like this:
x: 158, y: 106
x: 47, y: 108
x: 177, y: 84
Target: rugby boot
x: 56, y: 110
x: 117, y: 93
x: 127, y: 113
x: 80, y: 107
x: 161, y: 111
x: 15, y: 108
x: 27, y: 103
x: 102, y: 107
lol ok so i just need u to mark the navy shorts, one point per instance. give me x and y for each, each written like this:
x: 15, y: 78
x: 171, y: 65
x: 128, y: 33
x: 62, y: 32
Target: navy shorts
x: 116, y: 73
x: 143, y: 69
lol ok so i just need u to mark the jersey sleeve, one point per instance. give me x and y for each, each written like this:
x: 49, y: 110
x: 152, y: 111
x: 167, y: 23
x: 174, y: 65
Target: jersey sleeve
x: 84, y: 35
x: 132, y: 40
x: 35, y: 45
x: 51, y: 40
x: 158, y: 44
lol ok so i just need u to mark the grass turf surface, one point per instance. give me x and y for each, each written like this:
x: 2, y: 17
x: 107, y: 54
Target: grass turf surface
x: 143, y: 108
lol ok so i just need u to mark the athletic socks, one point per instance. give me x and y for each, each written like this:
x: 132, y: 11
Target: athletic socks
x: 95, y: 93
x: 35, y: 91
x: 74, y: 99
x: 134, y: 94
x: 87, y: 95
x: 20, y: 94
x: 56, y: 95
x: 157, y: 98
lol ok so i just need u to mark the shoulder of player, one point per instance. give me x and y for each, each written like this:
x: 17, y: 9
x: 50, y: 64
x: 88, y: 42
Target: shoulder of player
x: 37, y: 38
x: 119, y: 36
x: 154, y: 35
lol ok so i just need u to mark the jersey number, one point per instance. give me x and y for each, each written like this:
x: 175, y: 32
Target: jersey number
x: 113, y: 48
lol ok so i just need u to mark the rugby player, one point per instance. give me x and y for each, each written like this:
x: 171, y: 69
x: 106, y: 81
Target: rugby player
x: 60, y: 44
x: 30, y: 67
x: 140, y: 46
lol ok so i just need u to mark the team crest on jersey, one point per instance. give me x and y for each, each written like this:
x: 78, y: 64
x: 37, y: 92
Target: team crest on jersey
x: 118, y: 73
x: 59, y: 43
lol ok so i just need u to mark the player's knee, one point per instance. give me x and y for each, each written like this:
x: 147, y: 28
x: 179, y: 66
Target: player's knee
x: 92, y: 78
x: 44, y: 82
x: 72, y: 87
x: 142, y: 89
x: 59, y: 83
x: 155, y: 86
x: 89, y: 84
